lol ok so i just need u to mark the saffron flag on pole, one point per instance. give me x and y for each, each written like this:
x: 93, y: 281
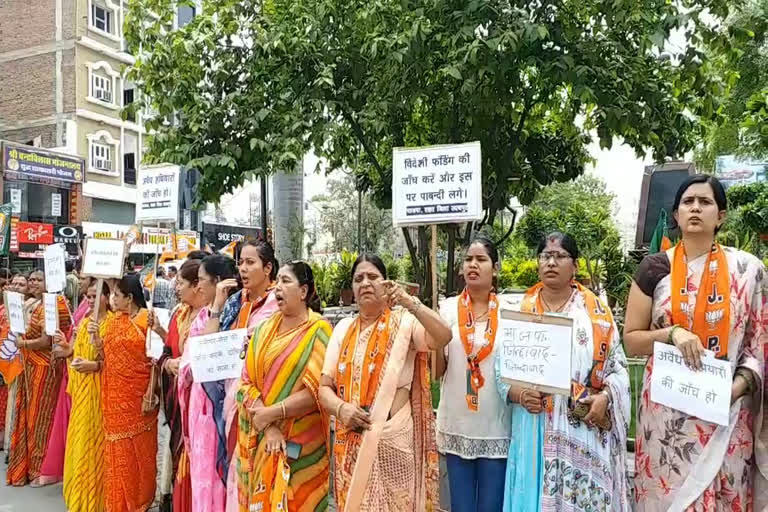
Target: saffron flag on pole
x: 660, y: 240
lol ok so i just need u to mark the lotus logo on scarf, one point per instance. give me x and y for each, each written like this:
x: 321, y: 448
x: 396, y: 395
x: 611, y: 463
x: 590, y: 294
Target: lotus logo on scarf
x: 715, y: 316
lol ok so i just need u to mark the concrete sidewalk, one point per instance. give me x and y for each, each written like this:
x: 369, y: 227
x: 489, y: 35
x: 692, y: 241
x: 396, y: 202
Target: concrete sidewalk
x: 18, y: 499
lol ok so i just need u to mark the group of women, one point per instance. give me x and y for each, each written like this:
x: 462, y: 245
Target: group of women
x: 342, y: 417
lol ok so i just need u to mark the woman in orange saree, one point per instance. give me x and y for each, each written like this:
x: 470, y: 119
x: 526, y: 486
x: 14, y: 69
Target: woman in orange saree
x: 282, y: 452
x: 37, y: 392
x: 375, y: 383
x: 130, y: 429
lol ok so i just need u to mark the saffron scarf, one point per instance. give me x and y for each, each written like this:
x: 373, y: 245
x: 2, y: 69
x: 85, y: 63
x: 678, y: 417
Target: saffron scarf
x: 711, y: 317
x: 602, y: 332
x: 277, y: 366
x: 475, y: 378
x: 363, y: 389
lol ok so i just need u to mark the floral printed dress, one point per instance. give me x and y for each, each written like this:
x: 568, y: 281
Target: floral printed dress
x: 682, y: 462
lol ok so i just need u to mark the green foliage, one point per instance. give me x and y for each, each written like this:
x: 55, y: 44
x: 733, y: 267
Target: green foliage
x: 343, y: 271
x: 392, y: 266
x: 747, y: 217
x: 583, y: 209
x: 248, y: 87
x: 741, y: 124
x: 406, y: 270
x: 326, y: 282
x: 507, y: 274
x: 338, y: 216
x: 527, y: 274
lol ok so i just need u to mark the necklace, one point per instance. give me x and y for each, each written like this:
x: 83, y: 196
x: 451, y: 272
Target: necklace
x: 558, y: 309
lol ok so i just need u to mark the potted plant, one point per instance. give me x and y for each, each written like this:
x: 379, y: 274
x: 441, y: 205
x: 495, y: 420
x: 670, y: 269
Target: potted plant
x: 344, y: 276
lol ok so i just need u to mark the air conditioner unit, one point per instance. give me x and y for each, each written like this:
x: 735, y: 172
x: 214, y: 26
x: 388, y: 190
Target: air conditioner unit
x: 104, y: 95
x: 104, y: 165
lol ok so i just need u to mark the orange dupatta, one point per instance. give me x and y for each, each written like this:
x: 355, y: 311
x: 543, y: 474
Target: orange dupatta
x: 711, y: 317
x: 602, y: 331
x: 475, y: 379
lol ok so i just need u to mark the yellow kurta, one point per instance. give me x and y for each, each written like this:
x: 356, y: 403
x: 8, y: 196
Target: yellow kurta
x: 84, y: 461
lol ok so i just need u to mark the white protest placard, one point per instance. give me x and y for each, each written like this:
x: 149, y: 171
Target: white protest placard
x: 55, y: 204
x: 705, y: 394
x: 156, y: 344
x: 158, y: 193
x: 14, y: 306
x: 55, y: 271
x: 535, y: 350
x: 51, y: 309
x: 104, y: 257
x: 216, y: 356
x: 437, y: 184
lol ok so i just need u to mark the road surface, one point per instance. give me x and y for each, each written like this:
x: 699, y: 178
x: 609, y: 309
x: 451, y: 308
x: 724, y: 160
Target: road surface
x: 26, y: 499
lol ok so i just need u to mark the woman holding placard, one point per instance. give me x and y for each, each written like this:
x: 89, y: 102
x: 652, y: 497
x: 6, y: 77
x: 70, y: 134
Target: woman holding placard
x: 569, y: 453
x: 207, y: 449
x: 472, y: 421
x: 192, y: 302
x: 38, y: 389
x: 375, y: 382
x: 282, y: 460
x: 256, y: 302
x: 130, y: 423
x: 683, y: 462
x: 84, y: 458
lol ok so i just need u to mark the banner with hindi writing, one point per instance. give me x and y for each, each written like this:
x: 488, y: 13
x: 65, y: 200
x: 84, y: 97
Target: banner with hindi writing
x: 216, y: 356
x: 535, y: 350
x: 437, y: 184
x: 705, y: 394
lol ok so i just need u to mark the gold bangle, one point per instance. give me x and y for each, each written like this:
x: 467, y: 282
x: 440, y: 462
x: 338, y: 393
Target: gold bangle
x: 282, y: 406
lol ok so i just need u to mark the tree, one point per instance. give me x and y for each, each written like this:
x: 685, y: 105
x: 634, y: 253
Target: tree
x: 747, y: 218
x: 583, y: 209
x: 736, y: 130
x: 248, y: 87
x: 339, y: 216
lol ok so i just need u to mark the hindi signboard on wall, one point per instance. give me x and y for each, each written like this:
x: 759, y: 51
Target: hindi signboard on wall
x: 535, y: 350
x: 104, y: 258
x: 158, y: 193
x: 42, y: 163
x: 705, y: 393
x: 216, y: 356
x: 437, y: 184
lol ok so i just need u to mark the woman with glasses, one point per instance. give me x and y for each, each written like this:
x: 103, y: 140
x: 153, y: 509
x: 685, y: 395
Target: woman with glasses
x: 376, y: 384
x: 38, y: 389
x: 700, y: 296
x: 282, y: 460
x: 569, y: 453
x: 472, y: 421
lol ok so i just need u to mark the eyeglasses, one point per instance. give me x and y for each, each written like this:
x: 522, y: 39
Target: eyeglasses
x: 559, y: 257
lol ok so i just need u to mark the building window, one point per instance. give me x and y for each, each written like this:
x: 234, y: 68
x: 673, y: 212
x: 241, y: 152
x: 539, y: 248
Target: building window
x: 101, y: 157
x: 129, y: 169
x: 103, y: 87
x: 103, y: 153
x: 102, y: 18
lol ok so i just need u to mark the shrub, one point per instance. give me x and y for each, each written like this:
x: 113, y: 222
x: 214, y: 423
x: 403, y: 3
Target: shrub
x: 507, y: 274
x: 527, y: 274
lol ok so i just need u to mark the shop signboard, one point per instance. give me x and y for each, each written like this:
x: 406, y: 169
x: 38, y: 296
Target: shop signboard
x: 149, y: 239
x: 219, y: 235
x: 34, y: 233
x: 41, y: 163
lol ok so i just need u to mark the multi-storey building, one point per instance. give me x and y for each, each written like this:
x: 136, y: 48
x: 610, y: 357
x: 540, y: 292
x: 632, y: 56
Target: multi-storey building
x: 63, y: 67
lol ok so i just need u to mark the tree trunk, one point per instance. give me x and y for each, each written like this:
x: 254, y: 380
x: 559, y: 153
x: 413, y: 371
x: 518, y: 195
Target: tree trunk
x: 413, y: 252
x: 426, y: 264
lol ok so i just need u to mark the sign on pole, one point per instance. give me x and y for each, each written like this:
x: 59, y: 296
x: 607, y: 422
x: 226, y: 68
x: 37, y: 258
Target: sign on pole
x: 55, y: 271
x: 104, y: 258
x: 51, y: 309
x: 437, y: 184
x: 216, y: 356
x: 14, y: 305
x: 158, y: 192
x: 535, y: 351
x: 704, y: 393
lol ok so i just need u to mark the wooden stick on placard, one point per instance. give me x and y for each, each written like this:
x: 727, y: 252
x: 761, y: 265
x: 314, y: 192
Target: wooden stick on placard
x: 433, y: 256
